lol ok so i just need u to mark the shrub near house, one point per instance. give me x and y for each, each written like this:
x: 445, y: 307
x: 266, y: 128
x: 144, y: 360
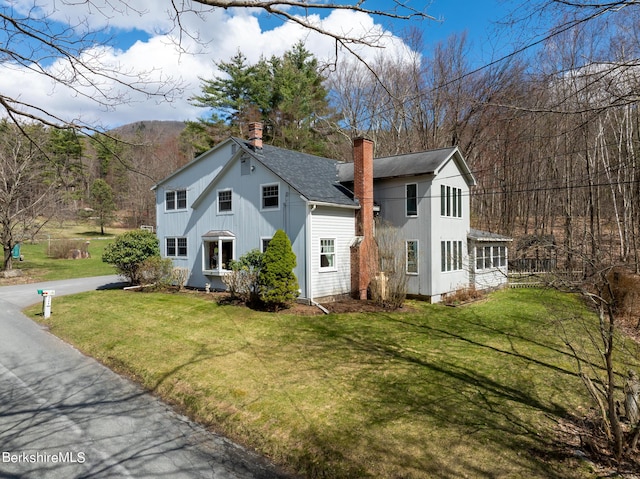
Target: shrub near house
x: 278, y: 284
x: 128, y: 252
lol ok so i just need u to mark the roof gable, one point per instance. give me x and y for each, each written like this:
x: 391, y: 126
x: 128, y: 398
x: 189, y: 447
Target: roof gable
x: 190, y: 164
x: 313, y: 177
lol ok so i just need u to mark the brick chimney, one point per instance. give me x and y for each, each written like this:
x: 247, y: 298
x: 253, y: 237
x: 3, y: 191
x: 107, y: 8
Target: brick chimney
x: 364, y: 254
x: 255, y: 134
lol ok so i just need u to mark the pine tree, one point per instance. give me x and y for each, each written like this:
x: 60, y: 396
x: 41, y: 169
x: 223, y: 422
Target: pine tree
x: 286, y: 93
x: 278, y: 283
x: 101, y: 200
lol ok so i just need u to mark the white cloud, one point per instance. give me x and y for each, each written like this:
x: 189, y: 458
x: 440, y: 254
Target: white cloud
x: 221, y: 34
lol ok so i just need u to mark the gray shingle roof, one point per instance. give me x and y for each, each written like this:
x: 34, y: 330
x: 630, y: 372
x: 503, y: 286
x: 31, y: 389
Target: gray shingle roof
x: 312, y: 176
x: 479, y: 235
x: 410, y: 164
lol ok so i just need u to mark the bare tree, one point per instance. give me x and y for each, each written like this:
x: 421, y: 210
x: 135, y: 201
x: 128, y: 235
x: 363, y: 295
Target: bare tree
x: 27, y: 196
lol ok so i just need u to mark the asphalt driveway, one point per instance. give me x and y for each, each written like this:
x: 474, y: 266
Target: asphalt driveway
x: 64, y: 415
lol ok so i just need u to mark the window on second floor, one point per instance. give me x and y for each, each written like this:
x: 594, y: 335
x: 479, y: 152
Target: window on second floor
x: 225, y: 201
x: 450, y: 201
x: 175, y: 200
x: 270, y: 196
x: 411, y: 191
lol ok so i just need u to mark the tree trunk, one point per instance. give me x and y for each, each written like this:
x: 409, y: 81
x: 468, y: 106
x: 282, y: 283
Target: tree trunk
x: 607, y: 330
x: 7, y: 263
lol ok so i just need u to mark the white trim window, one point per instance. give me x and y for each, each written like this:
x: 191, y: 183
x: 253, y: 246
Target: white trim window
x: 328, y: 254
x: 479, y: 257
x: 270, y: 196
x: 411, y: 203
x: 450, y: 256
x: 491, y: 257
x: 502, y: 256
x: 411, y: 255
x: 217, y: 254
x: 175, y: 200
x: 176, y: 247
x: 264, y: 243
x: 225, y: 201
x: 450, y: 201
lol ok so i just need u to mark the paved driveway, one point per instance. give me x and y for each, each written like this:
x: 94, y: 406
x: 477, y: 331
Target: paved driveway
x: 64, y: 415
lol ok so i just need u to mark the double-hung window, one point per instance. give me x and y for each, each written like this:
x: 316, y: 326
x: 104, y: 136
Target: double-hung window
x: 270, y: 196
x: 176, y: 247
x: 411, y: 191
x: 225, y: 201
x: 327, y: 254
x: 175, y: 200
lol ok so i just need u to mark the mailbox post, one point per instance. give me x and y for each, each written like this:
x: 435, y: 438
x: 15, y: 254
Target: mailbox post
x: 47, y: 294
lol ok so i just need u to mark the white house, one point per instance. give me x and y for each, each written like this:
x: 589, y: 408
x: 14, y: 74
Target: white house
x: 234, y: 197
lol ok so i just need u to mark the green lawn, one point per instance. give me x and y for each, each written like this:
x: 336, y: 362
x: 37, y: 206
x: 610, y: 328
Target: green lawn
x: 39, y: 266
x: 433, y: 392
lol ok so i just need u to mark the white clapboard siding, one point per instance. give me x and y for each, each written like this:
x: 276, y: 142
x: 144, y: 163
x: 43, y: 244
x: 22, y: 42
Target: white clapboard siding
x: 337, y: 224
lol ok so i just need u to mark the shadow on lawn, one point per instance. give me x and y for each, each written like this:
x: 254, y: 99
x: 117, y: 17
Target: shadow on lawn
x: 493, y: 410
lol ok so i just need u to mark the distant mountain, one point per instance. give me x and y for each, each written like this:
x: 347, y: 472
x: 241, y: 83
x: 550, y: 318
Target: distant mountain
x: 150, y: 129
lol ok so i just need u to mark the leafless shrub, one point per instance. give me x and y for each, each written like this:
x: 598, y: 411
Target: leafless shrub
x: 156, y: 271
x: 462, y: 296
x: 179, y: 277
x: 624, y: 294
x: 389, y: 286
x: 64, y: 248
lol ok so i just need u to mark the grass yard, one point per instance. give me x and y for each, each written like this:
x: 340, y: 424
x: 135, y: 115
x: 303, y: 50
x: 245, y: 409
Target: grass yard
x: 433, y: 392
x: 39, y: 266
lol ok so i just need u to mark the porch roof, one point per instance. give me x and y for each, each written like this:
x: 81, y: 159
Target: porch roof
x: 479, y: 235
x: 218, y: 234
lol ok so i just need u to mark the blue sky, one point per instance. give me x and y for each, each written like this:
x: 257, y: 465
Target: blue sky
x: 143, y: 44
x: 479, y: 18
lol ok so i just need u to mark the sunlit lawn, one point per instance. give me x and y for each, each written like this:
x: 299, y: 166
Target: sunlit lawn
x: 38, y: 265
x: 435, y: 392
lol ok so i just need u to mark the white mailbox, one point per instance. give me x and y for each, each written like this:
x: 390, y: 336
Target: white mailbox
x: 46, y: 294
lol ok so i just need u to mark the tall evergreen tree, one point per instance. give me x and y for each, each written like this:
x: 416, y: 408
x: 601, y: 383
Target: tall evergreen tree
x: 285, y: 93
x: 299, y: 101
